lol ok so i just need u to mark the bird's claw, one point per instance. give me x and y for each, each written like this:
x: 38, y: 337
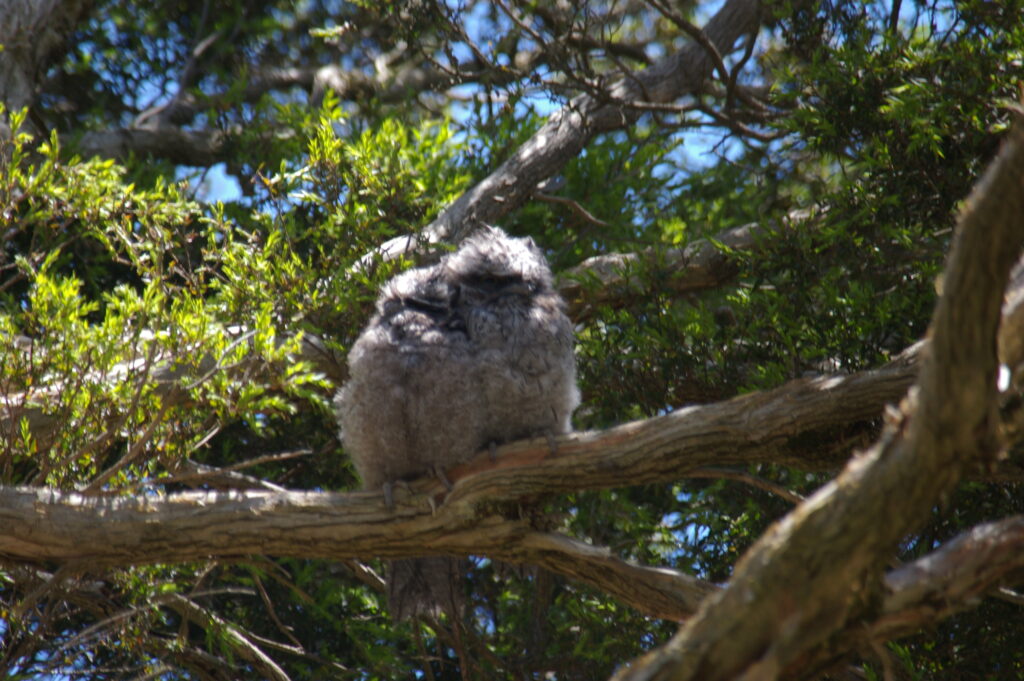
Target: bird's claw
x: 552, y: 442
x: 440, y: 474
x: 389, y: 492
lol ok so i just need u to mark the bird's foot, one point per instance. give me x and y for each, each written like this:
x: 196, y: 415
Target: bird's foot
x: 389, y: 492
x: 552, y: 442
x: 440, y: 474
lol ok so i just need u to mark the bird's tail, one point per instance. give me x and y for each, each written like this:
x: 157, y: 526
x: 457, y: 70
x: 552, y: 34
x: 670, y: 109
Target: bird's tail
x: 424, y: 586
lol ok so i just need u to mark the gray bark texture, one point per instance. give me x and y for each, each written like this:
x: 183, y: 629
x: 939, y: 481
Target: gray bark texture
x: 34, y: 34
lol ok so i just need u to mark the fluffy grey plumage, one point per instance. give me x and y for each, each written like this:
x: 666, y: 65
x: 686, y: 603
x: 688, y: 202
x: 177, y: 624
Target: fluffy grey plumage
x: 521, y: 338
x: 410, y: 372
x: 473, y: 351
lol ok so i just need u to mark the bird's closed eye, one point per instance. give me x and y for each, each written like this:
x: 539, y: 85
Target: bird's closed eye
x: 433, y: 307
x: 492, y: 278
x: 494, y: 282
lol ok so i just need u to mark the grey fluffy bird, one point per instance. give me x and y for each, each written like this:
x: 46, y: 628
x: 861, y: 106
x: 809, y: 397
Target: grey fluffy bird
x: 471, y: 352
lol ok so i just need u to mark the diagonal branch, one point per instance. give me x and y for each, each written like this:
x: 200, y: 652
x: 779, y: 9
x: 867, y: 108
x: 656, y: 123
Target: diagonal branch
x: 817, y: 573
x: 187, y: 147
x: 656, y: 592
x: 236, y: 639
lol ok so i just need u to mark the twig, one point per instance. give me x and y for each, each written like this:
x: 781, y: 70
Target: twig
x: 753, y: 480
x: 273, y: 615
x: 574, y: 205
x: 238, y: 640
x: 131, y: 454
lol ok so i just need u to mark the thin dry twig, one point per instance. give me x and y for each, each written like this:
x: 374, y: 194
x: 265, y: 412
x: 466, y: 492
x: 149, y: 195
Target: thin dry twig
x: 752, y: 480
x: 574, y: 205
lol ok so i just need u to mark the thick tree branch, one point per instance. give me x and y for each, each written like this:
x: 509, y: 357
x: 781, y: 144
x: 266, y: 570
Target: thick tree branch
x: 40, y: 525
x: 37, y: 525
x: 703, y: 264
x: 48, y: 526
x: 917, y: 595
x: 1011, y: 338
x: 156, y: 131
x: 187, y: 147
x: 177, y: 145
x: 817, y: 573
x: 68, y: 528
x: 656, y: 592
x: 951, y: 578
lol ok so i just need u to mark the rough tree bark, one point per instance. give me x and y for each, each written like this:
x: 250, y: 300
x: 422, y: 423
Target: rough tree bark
x: 33, y: 34
x: 818, y: 572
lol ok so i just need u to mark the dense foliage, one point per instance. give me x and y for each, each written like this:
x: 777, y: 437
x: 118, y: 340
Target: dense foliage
x: 878, y: 125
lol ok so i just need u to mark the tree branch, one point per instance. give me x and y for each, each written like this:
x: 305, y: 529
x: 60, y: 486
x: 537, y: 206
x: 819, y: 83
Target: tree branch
x: 703, y: 264
x: 571, y: 128
x: 34, y: 35
x: 187, y: 147
x: 156, y: 132
x: 817, y: 573
x: 47, y: 525
x: 951, y: 578
x: 76, y: 530
x: 947, y: 581
x: 235, y: 638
